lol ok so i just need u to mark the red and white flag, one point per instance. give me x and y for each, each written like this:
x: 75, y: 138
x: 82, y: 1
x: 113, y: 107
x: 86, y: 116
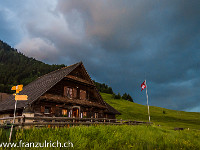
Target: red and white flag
x: 143, y: 85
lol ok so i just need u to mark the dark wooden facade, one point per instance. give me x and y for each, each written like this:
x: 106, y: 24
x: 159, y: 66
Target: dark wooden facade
x: 74, y: 95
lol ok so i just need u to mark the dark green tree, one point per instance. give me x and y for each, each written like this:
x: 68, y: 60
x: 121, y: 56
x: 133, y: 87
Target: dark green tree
x: 102, y: 87
x: 129, y: 98
x: 118, y: 96
x: 124, y: 96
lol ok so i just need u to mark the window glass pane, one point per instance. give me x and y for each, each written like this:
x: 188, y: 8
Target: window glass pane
x: 47, y: 110
x: 84, y: 114
x: 69, y: 92
x: 78, y: 93
x: 64, y: 112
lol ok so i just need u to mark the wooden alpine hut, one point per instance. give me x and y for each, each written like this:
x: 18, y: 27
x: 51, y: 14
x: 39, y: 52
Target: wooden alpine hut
x: 67, y: 92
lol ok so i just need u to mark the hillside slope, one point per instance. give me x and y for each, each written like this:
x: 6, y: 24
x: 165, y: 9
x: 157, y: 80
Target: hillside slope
x: 159, y: 116
x: 16, y: 68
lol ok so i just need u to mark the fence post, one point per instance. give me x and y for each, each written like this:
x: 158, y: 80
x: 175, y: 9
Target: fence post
x: 21, y: 119
x: 73, y: 122
x: 53, y: 119
x: 91, y: 118
x: 121, y: 121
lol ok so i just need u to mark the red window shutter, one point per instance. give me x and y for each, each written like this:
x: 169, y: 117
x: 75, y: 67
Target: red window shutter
x: 53, y: 110
x: 42, y: 109
x: 65, y: 91
x: 74, y: 93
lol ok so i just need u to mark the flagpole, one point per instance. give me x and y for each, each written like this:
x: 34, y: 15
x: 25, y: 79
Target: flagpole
x: 147, y: 101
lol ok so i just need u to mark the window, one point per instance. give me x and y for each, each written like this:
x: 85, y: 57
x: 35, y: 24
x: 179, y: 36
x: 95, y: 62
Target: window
x: 82, y: 94
x: 78, y: 93
x: 96, y: 115
x: 64, y: 111
x: 69, y: 92
x: 84, y: 114
x: 87, y: 94
x: 47, y: 110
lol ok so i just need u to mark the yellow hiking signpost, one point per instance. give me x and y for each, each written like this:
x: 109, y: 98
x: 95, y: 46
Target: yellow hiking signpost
x: 21, y: 97
x: 17, y: 88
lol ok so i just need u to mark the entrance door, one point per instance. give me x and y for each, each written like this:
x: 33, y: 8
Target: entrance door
x: 75, y: 112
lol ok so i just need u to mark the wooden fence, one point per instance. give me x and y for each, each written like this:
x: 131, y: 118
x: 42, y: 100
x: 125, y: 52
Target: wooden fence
x: 22, y: 121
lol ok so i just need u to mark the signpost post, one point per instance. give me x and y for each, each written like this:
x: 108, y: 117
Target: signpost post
x: 17, y: 88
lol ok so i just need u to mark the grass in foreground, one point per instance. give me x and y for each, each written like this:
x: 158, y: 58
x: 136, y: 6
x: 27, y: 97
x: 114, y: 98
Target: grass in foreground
x: 170, y: 119
x: 110, y: 137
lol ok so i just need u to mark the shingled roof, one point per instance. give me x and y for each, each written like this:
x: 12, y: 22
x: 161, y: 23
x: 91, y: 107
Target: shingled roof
x: 4, y: 96
x: 37, y: 88
x: 112, y: 110
x: 41, y: 85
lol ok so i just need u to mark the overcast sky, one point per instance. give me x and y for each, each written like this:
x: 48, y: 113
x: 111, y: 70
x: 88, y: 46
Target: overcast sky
x: 119, y: 42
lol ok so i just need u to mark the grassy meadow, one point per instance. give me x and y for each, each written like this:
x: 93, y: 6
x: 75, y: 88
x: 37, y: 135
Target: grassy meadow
x: 104, y: 137
x: 121, y: 137
x: 170, y: 119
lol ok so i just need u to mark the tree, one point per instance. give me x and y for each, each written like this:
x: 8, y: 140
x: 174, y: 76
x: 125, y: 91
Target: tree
x: 118, y: 96
x: 124, y: 96
x: 129, y: 98
x: 103, y: 88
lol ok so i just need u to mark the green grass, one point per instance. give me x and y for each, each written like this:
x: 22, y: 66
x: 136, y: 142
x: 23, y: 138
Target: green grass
x: 124, y: 137
x: 104, y: 137
x: 170, y: 119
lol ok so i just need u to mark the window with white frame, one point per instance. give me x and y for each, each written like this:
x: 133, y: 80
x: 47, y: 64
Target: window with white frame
x: 69, y: 92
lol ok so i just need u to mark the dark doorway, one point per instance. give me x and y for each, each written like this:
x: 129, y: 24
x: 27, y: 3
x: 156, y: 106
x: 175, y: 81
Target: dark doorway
x: 75, y: 112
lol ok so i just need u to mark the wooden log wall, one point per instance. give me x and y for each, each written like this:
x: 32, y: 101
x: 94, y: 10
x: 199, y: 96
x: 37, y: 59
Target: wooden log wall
x: 86, y: 92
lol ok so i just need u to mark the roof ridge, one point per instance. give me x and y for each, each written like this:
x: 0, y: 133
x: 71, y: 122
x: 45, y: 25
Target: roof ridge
x: 57, y: 70
x: 34, y: 86
x: 52, y: 72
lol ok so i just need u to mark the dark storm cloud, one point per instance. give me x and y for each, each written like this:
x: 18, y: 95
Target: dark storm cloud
x: 121, y: 42
x: 114, y: 25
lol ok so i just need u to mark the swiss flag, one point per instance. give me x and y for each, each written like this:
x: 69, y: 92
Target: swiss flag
x: 143, y: 85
